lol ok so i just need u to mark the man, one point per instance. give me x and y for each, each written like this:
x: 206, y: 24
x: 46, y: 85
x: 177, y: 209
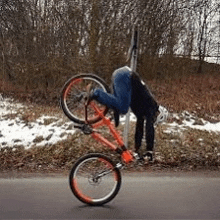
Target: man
x: 130, y: 91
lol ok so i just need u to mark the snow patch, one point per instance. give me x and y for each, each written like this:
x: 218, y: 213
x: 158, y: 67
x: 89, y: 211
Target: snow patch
x: 51, y: 129
x: 14, y: 131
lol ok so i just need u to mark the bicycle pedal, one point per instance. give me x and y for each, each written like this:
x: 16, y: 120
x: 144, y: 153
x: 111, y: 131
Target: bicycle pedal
x: 119, y: 166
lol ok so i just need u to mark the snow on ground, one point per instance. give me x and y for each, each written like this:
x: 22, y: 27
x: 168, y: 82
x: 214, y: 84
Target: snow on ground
x: 190, y: 121
x: 15, y: 131
x: 212, y: 127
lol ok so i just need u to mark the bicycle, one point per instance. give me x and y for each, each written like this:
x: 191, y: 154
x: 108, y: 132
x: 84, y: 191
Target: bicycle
x: 95, y: 179
x: 95, y: 170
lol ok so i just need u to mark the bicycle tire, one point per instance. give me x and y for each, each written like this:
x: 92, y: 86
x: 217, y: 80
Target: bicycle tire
x: 72, y: 98
x: 86, y: 179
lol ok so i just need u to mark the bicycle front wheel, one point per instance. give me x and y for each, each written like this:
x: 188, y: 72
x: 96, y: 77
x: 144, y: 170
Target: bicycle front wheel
x: 73, y: 98
x: 94, y: 179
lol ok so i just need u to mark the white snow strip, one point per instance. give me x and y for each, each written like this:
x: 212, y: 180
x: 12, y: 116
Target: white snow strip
x: 14, y: 131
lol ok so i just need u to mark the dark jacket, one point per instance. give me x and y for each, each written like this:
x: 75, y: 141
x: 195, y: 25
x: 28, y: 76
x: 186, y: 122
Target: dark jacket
x: 142, y: 101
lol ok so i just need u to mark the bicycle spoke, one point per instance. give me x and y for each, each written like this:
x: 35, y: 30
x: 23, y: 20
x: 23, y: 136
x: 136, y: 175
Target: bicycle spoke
x: 95, y: 180
x: 74, y: 95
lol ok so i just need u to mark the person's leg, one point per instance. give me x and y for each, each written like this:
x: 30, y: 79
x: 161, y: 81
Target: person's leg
x: 150, y: 134
x: 120, y: 99
x: 139, y: 133
x: 104, y: 98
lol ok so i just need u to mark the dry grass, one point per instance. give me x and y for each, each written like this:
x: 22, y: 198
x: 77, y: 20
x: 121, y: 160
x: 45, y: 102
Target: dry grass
x: 197, y: 94
x: 189, y: 150
x: 186, y: 150
x: 55, y: 157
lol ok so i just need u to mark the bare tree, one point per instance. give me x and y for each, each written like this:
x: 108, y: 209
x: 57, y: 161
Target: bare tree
x: 43, y: 41
x: 205, y: 29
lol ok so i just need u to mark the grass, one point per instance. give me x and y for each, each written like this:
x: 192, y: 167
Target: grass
x: 198, y: 94
x: 186, y: 150
x: 189, y: 149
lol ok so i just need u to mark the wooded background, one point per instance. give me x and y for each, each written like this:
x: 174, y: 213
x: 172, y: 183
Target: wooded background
x: 44, y: 42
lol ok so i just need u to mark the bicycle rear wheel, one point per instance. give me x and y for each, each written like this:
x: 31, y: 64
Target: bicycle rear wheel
x: 94, y: 179
x: 74, y: 95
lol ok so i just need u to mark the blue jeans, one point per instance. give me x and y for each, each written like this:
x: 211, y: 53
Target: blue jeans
x: 121, y: 98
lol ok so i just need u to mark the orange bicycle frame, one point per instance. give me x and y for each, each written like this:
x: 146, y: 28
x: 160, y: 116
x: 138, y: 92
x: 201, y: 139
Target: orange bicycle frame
x: 122, y: 150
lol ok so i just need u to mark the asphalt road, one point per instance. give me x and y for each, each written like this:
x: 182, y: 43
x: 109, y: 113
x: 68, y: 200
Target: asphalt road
x: 142, y: 196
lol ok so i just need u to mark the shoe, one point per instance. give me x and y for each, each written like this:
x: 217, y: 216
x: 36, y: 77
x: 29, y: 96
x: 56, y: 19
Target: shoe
x: 148, y: 156
x: 139, y: 158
